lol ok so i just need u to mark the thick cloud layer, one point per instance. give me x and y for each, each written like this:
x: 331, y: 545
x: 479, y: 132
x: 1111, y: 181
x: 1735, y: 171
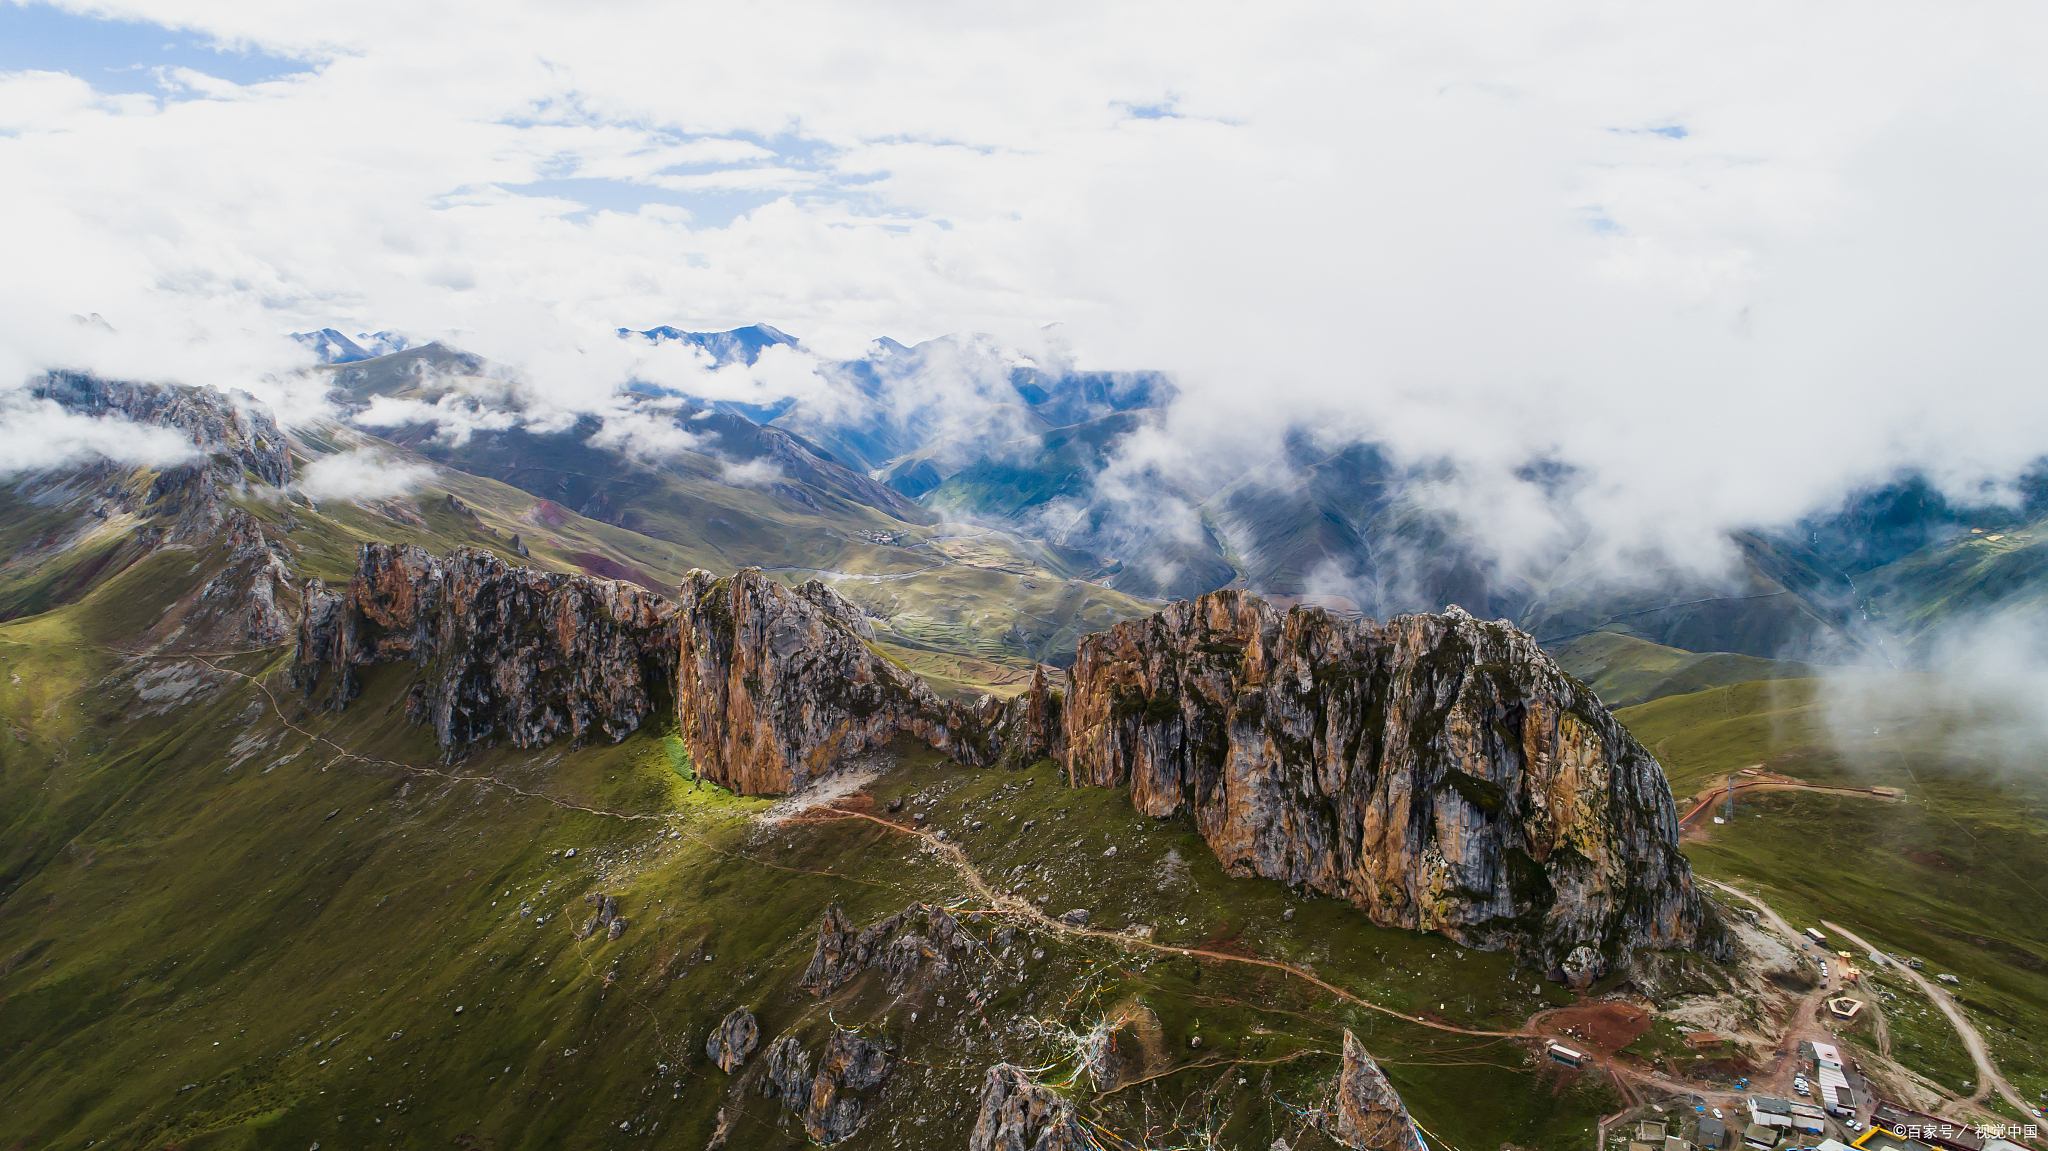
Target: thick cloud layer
x: 1724, y: 261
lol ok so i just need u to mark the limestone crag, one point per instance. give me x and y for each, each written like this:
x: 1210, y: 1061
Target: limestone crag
x: 1370, y: 1115
x: 504, y: 653
x: 900, y: 944
x: 778, y: 684
x: 1018, y: 1113
x: 1438, y: 772
x: 834, y: 1101
x: 733, y: 1040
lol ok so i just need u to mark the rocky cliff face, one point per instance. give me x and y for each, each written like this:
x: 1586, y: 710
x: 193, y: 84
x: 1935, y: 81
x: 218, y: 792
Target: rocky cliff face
x: 1440, y: 773
x: 248, y: 600
x: 778, y: 684
x: 505, y: 653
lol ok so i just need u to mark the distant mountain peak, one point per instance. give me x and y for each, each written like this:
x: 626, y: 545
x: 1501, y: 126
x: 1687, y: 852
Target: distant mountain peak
x: 335, y: 348
x: 739, y: 345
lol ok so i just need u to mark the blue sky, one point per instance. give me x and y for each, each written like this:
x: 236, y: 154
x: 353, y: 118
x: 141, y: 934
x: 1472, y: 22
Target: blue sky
x: 131, y: 57
x: 121, y: 55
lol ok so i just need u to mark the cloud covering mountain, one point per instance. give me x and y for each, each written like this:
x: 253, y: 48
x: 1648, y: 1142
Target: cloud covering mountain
x: 1719, y: 265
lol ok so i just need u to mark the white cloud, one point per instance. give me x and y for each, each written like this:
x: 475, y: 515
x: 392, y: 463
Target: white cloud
x: 648, y: 433
x: 1472, y: 229
x: 756, y: 473
x: 38, y: 434
x: 361, y: 474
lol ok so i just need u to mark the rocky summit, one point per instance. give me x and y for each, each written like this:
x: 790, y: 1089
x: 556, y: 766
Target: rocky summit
x: 1441, y: 773
x: 1438, y: 772
x: 505, y: 654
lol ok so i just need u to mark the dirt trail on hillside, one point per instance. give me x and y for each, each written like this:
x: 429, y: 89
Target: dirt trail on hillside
x: 1719, y: 794
x: 1988, y: 1077
x: 1807, y: 1018
x: 1532, y: 1031
x: 1024, y: 909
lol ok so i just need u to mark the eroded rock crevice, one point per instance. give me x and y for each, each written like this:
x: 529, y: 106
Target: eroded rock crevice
x: 504, y: 654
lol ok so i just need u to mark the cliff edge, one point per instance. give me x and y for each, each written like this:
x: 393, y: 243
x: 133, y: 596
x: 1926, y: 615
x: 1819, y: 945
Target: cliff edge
x: 1440, y: 773
x: 505, y: 653
x: 776, y: 684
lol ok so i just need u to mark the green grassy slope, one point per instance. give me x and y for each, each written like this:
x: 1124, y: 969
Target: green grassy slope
x: 233, y: 922
x: 1969, y: 574
x: 1625, y: 671
x: 1955, y: 875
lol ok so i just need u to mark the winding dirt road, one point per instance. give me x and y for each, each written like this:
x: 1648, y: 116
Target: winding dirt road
x: 1988, y: 1077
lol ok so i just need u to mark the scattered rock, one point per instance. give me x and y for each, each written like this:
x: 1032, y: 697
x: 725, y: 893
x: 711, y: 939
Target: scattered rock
x: 733, y: 1040
x: 606, y: 919
x: 1287, y: 916
x: 1018, y: 1113
x: 1109, y: 853
x: 1582, y: 967
x: 1194, y: 1041
x: 1078, y: 917
x: 900, y: 945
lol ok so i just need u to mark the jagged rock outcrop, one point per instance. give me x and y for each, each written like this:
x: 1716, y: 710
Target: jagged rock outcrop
x: 852, y: 1066
x: 1370, y: 1115
x: 505, y: 653
x: 1018, y: 1113
x: 234, y: 433
x: 778, y: 684
x: 833, y: 1101
x: 1028, y: 728
x: 1440, y: 773
x: 786, y: 1073
x: 900, y: 944
x: 733, y: 1040
x: 244, y: 604
x: 605, y: 918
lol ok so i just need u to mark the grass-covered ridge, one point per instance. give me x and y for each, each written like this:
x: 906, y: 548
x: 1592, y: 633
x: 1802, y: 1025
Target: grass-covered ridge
x: 1954, y: 875
x: 234, y: 921
x: 1625, y: 671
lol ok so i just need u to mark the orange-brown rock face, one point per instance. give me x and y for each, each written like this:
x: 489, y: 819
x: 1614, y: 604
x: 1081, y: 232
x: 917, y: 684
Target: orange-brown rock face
x: 505, y: 653
x: 777, y: 685
x: 1440, y: 773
